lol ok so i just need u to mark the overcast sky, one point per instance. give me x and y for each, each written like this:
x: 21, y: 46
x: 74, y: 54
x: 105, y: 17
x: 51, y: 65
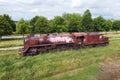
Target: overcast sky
x: 27, y: 9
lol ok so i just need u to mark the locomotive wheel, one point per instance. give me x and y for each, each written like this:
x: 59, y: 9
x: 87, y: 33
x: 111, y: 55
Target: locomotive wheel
x: 42, y: 50
x: 88, y: 46
x: 76, y: 47
x: 32, y: 52
x: 64, y: 47
x: 104, y: 44
x: 69, y: 47
x: 58, y: 48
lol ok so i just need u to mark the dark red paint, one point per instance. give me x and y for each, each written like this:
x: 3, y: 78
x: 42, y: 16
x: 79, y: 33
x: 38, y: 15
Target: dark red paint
x: 57, y: 42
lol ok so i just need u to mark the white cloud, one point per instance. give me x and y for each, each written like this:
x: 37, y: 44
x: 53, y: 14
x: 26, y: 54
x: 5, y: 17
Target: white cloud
x: 50, y: 8
x: 75, y: 3
x: 83, y: 3
x: 34, y: 10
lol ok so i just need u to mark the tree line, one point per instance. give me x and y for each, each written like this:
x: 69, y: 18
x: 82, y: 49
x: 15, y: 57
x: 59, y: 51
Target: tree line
x: 68, y: 22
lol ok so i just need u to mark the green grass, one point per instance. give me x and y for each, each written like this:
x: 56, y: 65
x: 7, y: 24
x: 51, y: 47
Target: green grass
x: 88, y: 73
x: 112, y: 35
x: 11, y: 43
x: 82, y: 64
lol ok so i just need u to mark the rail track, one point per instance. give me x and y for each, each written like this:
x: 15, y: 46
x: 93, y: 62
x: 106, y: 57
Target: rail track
x: 11, y: 48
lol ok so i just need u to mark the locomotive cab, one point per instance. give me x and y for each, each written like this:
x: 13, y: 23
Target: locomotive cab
x: 79, y: 38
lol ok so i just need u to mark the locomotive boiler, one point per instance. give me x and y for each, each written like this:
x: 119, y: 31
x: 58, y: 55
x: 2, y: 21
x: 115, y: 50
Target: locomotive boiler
x: 57, y: 42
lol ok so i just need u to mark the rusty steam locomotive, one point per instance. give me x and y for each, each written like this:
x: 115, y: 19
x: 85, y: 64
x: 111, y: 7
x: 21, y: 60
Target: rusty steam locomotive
x: 56, y: 42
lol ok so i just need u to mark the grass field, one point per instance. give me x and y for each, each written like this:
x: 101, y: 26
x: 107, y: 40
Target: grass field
x: 112, y: 35
x: 11, y: 43
x: 82, y: 64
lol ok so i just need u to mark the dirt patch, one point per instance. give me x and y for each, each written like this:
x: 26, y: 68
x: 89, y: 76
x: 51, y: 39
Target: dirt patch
x: 110, y: 69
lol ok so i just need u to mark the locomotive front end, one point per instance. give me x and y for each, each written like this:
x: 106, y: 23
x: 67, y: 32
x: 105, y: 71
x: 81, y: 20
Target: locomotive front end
x: 28, y: 42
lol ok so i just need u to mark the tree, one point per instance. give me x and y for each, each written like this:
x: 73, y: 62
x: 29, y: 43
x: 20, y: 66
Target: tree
x: 41, y: 25
x: 10, y: 21
x: 58, y: 25
x: 1, y: 26
x: 86, y: 22
x: 108, y: 25
x: 116, y: 25
x: 5, y: 27
x: 99, y: 24
x: 50, y: 26
x: 23, y: 27
x: 29, y: 27
x: 73, y: 21
x: 32, y: 23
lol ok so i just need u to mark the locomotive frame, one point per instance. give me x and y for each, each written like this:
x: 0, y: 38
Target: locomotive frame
x: 58, y: 42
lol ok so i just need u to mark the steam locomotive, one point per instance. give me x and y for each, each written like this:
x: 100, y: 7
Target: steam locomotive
x: 37, y: 44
